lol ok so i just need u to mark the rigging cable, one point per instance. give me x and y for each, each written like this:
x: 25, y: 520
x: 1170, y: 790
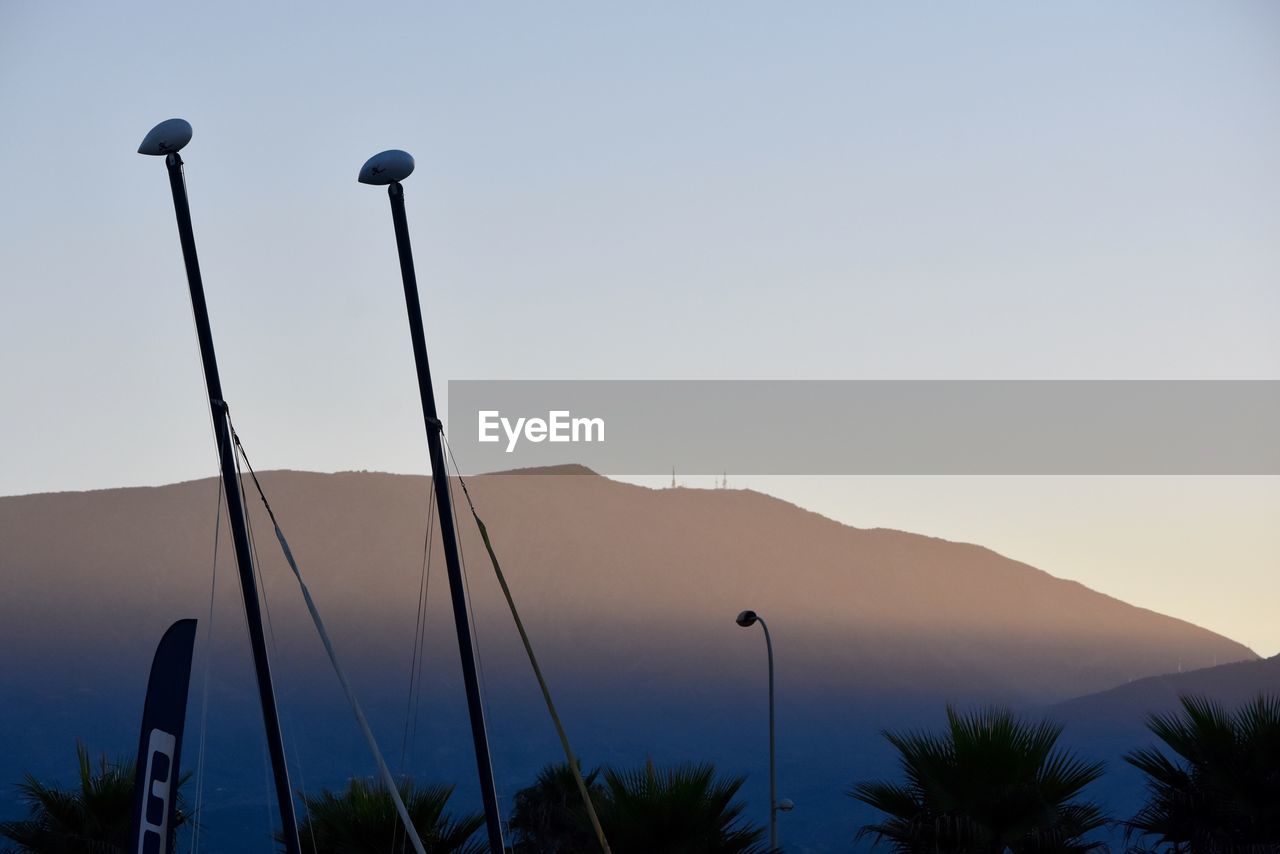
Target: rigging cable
x: 419, y: 635
x: 383, y: 770
x: 412, y: 702
x: 471, y: 608
x: 260, y: 582
x: 260, y: 586
x: 217, y: 525
x: 196, y: 816
x: 533, y: 660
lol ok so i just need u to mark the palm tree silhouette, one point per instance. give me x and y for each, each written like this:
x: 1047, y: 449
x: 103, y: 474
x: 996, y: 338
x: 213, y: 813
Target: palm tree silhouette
x: 989, y: 783
x: 363, y: 818
x: 1224, y: 794
x: 681, y: 810
x: 92, y: 816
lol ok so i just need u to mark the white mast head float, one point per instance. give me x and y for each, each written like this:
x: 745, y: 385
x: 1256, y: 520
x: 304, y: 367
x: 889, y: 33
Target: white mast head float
x: 168, y: 137
x: 387, y: 167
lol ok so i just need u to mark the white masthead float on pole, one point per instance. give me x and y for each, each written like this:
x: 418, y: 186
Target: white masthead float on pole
x: 388, y: 169
x: 166, y: 140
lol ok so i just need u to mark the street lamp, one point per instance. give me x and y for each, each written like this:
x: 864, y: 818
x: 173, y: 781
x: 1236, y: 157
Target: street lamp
x: 747, y: 619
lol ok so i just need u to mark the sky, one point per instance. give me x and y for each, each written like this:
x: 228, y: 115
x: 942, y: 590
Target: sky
x: 721, y: 190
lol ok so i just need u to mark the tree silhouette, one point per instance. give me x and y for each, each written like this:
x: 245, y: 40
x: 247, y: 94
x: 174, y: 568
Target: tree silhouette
x: 549, y: 816
x: 989, y: 783
x: 92, y: 816
x: 681, y: 810
x: 1224, y: 793
x: 363, y: 818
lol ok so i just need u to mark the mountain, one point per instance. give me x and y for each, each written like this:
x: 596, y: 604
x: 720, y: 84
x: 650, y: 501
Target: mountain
x: 1230, y: 684
x: 629, y: 595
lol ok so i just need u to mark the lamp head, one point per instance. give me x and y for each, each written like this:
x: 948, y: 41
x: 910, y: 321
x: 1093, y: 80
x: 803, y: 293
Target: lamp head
x: 747, y: 618
x: 387, y: 167
x: 786, y: 805
x: 168, y: 137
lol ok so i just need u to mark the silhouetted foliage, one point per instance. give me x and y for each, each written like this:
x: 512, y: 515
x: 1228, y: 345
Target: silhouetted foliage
x: 1224, y: 794
x: 363, y: 818
x: 681, y: 810
x: 549, y: 816
x: 92, y: 816
x: 989, y: 783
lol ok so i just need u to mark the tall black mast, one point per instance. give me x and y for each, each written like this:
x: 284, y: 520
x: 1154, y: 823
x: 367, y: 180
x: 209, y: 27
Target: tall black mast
x: 389, y: 168
x: 167, y: 138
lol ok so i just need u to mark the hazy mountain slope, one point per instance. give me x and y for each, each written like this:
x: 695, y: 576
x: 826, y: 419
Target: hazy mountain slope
x: 628, y: 568
x: 629, y: 595
x: 1230, y: 684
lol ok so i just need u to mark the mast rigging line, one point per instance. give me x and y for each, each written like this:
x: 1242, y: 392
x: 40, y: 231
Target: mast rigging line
x: 483, y: 684
x: 569, y: 756
x: 385, y: 772
x: 409, y: 738
x: 260, y: 588
x: 204, y: 694
x: 419, y: 636
x: 261, y: 580
x: 383, y: 769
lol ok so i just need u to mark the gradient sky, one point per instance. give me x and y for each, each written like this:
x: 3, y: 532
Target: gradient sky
x: 736, y: 190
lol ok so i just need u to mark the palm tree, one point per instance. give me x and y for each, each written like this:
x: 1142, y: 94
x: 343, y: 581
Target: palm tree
x: 549, y: 816
x: 1224, y: 794
x: 91, y: 817
x: 363, y: 818
x: 682, y: 810
x: 989, y: 783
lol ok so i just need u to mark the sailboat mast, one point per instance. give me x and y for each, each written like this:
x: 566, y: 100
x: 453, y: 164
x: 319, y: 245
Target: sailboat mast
x: 397, y: 166
x: 235, y: 506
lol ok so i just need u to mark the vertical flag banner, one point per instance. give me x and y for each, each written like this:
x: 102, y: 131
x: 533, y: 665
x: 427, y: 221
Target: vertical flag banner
x: 155, y: 793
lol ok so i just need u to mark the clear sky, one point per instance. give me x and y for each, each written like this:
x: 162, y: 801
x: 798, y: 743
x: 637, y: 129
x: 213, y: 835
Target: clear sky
x: 715, y: 190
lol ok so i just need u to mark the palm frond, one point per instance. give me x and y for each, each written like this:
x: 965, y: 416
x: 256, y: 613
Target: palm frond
x: 1220, y: 788
x: 989, y: 782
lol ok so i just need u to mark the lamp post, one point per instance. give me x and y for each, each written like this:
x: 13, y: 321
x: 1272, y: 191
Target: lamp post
x: 747, y: 619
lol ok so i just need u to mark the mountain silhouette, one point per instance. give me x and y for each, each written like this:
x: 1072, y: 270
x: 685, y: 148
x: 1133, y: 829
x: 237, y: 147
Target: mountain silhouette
x: 1230, y: 684
x: 629, y: 595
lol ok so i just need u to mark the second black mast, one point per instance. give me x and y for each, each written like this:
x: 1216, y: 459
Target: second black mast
x: 390, y: 168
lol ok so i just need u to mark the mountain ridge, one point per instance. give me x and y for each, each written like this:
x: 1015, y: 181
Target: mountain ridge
x: 886, y: 572
x: 628, y: 594
x: 577, y: 470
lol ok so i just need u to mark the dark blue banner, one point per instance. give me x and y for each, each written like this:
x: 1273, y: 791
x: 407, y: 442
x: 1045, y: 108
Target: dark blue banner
x: 155, y: 795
